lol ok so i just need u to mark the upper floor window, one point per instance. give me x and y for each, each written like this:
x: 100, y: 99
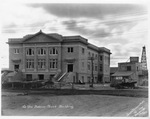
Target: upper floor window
x: 30, y: 51
x: 93, y: 55
x: 101, y: 58
x: 89, y: 54
x: 89, y: 66
x: 128, y: 68
x: 70, y: 49
x: 16, y: 51
x: 83, y: 64
x: 53, y: 63
x: 41, y: 63
x: 95, y: 67
x: 83, y: 50
x: 53, y: 51
x: 30, y: 63
x: 101, y: 67
x: 41, y: 51
x: 96, y: 56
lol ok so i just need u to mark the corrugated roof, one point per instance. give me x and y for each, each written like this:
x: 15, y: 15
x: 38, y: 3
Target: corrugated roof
x: 121, y: 73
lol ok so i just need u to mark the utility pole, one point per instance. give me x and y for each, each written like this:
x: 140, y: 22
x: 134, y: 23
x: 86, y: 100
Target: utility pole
x: 92, y: 58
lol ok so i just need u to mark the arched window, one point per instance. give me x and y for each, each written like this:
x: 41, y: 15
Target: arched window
x: 41, y: 51
x: 30, y: 51
x: 53, y: 51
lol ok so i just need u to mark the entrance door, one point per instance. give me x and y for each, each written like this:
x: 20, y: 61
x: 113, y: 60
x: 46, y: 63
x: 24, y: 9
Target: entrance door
x: 16, y: 67
x: 41, y: 77
x: 70, y: 67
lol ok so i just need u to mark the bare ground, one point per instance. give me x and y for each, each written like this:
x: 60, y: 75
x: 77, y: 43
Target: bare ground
x: 74, y: 105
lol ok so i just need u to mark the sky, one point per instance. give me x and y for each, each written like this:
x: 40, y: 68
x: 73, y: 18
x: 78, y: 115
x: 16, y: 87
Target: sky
x: 122, y: 28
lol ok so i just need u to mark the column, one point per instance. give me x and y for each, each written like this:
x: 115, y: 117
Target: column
x: 23, y: 59
x: 35, y: 59
x: 47, y: 57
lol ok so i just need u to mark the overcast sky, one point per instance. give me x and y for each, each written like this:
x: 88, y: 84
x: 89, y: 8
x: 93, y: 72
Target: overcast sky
x: 122, y: 28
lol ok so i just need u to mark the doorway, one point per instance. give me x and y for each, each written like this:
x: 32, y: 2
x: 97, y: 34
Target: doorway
x: 70, y: 68
x: 16, y: 67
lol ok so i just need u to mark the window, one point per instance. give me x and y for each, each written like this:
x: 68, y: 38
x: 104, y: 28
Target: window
x: 29, y: 77
x: 30, y: 51
x: 101, y: 58
x: 96, y: 56
x: 89, y: 79
x: 92, y: 54
x: 107, y: 59
x: 41, y: 76
x: 30, y: 63
x: 83, y: 50
x: 95, y: 67
x: 128, y: 68
x: 82, y: 64
x: 16, y: 51
x: 41, y: 51
x: 118, y: 78
x: 53, y: 63
x: 82, y: 79
x: 70, y: 49
x: 53, y: 51
x: 88, y: 65
x: 101, y: 67
x: 89, y: 54
x: 41, y: 63
x: 96, y: 79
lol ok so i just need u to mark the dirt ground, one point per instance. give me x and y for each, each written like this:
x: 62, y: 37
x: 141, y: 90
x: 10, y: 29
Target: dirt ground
x: 74, y: 105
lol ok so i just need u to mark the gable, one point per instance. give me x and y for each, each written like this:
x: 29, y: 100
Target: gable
x: 39, y: 38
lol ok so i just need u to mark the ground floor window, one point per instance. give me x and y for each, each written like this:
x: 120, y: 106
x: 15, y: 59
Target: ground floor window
x: 118, y: 78
x: 30, y: 63
x: 82, y: 79
x: 29, y: 77
x: 41, y: 76
x: 96, y: 79
x: 89, y: 79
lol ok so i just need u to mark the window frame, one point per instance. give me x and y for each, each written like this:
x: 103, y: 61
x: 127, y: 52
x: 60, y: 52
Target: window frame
x: 70, y: 49
x: 53, y: 51
x: 53, y: 63
x: 83, y: 50
x: 41, y: 64
x: 16, y: 51
x: 30, y: 52
x: 30, y: 63
x: 41, y: 51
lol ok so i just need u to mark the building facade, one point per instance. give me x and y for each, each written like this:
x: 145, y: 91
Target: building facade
x: 41, y: 56
x: 129, y: 72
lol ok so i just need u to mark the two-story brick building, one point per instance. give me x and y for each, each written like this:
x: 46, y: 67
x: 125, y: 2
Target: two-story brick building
x: 41, y: 56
